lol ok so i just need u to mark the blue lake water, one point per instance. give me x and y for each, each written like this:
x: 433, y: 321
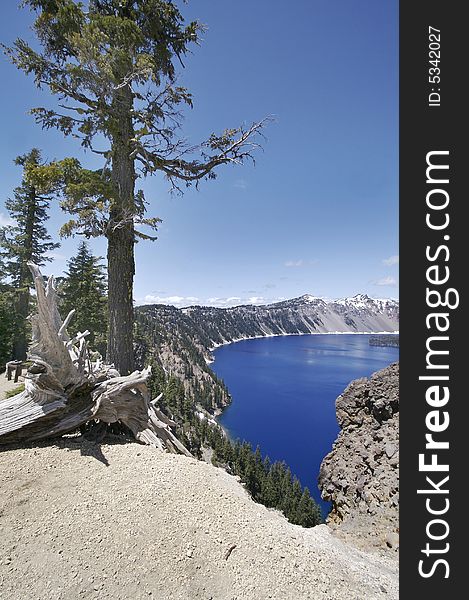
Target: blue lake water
x: 284, y: 391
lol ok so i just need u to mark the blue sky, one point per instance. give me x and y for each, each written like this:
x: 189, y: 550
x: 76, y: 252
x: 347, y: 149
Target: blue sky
x: 318, y: 213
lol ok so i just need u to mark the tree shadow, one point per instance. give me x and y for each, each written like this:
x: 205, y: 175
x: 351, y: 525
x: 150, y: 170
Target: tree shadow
x: 88, y: 445
x: 94, y: 450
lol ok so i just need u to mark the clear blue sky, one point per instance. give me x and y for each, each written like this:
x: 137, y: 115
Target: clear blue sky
x: 319, y: 212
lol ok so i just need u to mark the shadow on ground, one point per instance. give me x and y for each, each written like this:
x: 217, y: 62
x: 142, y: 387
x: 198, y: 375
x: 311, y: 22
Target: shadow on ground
x: 84, y: 443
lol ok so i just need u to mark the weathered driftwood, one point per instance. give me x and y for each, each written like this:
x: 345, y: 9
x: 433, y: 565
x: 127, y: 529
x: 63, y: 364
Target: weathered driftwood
x: 65, y: 389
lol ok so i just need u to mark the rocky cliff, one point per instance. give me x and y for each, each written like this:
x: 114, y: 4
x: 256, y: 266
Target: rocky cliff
x: 361, y: 474
x: 306, y: 314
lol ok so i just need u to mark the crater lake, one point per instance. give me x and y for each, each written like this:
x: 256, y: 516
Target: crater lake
x: 283, y: 394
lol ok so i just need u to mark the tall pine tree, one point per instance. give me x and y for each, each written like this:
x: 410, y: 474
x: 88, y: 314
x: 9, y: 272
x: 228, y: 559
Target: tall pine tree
x: 6, y: 313
x: 113, y: 65
x: 84, y: 289
x: 26, y: 240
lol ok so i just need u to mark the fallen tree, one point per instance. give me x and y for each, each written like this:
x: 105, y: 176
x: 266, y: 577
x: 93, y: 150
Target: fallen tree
x: 65, y: 388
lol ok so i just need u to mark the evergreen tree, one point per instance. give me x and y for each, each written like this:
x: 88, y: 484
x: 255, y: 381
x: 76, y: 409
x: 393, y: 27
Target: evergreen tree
x: 308, y: 513
x: 113, y: 65
x: 270, y: 493
x: 84, y: 289
x: 26, y: 240
x: 7, y: 327
x: 269, y: 484
x: 6, y: 315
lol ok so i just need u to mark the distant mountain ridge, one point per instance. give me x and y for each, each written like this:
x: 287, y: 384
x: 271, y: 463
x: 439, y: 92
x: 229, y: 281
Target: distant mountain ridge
x: 306, y: 314
x: 180, y: 340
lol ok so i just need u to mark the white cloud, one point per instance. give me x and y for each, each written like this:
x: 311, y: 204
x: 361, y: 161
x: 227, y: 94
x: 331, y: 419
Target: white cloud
x: 392, y: 260
x: 174, y: 300
x: 5, y: 221
x: 237, y: 301
x: 224, y: 302
x: 390, y: 281
x: 256, y: 300
x: 215, y: 301
x: 241, y: 184
x: 294, y: 263
x: 56, y: 256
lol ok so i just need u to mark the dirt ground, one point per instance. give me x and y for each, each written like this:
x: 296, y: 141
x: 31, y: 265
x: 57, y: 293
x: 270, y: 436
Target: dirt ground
x: 125, y: 521
x: 6, y: 386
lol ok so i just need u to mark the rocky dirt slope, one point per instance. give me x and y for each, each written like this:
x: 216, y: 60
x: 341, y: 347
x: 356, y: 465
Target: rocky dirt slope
x: 361, y: 474
x: 155, y: 525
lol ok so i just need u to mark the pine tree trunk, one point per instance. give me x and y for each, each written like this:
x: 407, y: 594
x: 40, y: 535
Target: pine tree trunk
x: 121, y: 270
x: 20, y: 342
x: 121, y: 240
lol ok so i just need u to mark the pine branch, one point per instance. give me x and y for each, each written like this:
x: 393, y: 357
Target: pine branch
x: 234, y: 147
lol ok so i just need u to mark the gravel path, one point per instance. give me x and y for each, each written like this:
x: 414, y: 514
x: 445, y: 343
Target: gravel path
x: 160, y: 526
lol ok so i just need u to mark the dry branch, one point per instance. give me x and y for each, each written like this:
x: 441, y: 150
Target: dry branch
x: 64, y: 389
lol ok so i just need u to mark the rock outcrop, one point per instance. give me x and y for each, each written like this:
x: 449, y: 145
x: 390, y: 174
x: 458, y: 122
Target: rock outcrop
x: 361, y: 474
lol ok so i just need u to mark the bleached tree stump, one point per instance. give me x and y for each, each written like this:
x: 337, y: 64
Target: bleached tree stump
x: 64, y: 388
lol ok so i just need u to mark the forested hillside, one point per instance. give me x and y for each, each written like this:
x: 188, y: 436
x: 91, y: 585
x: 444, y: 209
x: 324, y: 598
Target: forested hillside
x: 178, y: 342
x: 178, y: 352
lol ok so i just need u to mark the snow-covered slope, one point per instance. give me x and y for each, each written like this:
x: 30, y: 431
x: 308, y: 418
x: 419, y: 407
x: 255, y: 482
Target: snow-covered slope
x: 180, y: 340
x: 306, y: 314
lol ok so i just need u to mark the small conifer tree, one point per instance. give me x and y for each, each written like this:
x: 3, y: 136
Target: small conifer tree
x: 26, y: 240
x: 84, y: 289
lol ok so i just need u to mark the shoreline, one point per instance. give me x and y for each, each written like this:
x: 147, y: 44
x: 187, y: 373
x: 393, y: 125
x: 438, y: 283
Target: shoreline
x: 270, y: 335
x: 324, y: 505
x: 219, y: 411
